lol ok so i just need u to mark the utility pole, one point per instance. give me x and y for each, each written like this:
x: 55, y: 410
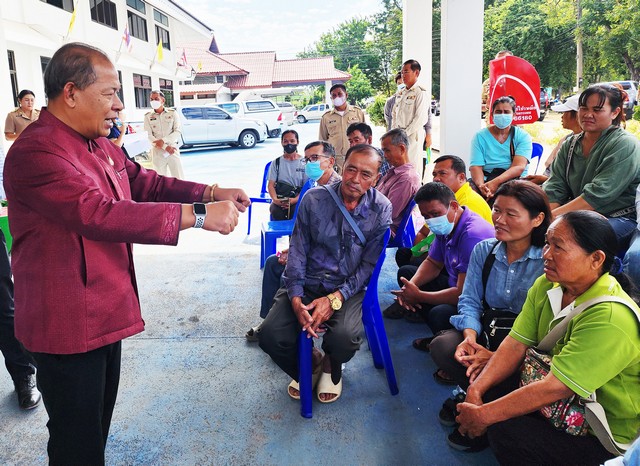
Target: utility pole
x: 579, y: 57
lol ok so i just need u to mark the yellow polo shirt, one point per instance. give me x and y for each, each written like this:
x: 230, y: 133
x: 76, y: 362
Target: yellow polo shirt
x: 469, y: 198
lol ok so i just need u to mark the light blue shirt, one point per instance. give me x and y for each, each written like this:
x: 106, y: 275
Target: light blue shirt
x: 488, y: 153
x: 507, y: 286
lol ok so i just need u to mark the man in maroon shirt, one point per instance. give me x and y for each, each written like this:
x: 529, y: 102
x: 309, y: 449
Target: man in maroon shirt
x: 77, y: 204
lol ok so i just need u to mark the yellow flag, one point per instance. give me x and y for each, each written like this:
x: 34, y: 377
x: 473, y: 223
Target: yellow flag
x: 73, y: 20
x: 159, y: 51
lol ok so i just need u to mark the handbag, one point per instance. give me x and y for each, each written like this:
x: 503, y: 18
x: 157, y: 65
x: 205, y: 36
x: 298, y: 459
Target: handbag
x: 285, y: 190
x: 496, y: 323
x: 574, y: 414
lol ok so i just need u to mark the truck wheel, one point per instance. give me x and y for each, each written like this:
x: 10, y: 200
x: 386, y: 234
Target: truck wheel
x: 301, y: 119
x: 247, y: 139
x: 274, y: 133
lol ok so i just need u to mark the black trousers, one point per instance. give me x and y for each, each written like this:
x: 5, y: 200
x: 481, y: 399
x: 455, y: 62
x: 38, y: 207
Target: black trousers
x: 343, y: 337
x: 17, y: 361
x: 531, y: 440
x: 79, y: 393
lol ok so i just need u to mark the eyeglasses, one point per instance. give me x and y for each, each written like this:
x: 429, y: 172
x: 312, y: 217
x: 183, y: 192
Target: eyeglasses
x: 314, y: 158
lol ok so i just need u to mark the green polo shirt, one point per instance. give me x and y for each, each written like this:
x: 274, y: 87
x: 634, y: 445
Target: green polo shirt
x: 600, y: 351
x: 607, y: 179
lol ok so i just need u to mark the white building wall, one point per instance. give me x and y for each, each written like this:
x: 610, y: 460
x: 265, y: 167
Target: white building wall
x: 33, y: 29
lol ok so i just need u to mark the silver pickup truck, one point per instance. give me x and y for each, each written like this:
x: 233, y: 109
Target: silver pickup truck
x: 265, y: 110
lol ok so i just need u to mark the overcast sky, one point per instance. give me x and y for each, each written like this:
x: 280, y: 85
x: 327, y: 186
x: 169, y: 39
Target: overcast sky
x: 283, y: 26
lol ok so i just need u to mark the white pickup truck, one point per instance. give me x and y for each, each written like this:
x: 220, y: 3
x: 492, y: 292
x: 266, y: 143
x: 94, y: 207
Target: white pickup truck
x: 265, y: 110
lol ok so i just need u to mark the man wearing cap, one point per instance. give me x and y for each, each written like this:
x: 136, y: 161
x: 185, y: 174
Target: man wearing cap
x: 569, y: 110
x: 334, y: 123
x: 163, y: 127
x: 411, y: 112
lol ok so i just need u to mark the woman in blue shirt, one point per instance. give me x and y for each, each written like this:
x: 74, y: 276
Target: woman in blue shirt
x: 500, y: 152
x: 521, y: 216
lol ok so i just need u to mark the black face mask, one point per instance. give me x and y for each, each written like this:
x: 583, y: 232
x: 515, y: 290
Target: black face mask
x: 290, y: 148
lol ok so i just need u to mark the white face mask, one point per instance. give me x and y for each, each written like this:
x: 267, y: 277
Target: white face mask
x: 401, y: 86
x: 339, y: 101
x: 156, y: 104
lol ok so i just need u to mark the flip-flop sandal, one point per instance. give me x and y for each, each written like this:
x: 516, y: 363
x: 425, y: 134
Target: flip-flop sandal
x: 443, y: 380
x: 326, y: 386
x: 315, y: 376
x: 422, y: 344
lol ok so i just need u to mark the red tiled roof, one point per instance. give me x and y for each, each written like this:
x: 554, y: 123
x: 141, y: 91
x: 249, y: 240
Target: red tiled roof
x: 191, y: 89
x: 251, y: 70
x: 197, y: 53
x: 259, y: 64
x: 307, y: 69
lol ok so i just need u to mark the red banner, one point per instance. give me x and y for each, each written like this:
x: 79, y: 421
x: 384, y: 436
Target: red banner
x: 518, y: 78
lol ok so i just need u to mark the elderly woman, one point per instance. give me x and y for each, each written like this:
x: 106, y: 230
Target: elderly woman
x: 18, y: 119
x: 501, y: 151
x: 598, y: 169
x: 599, y: 353
x: 511, y: 263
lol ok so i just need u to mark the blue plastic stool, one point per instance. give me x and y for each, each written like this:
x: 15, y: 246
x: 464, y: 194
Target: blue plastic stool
x: 376, y: 336
x: 262, y: 198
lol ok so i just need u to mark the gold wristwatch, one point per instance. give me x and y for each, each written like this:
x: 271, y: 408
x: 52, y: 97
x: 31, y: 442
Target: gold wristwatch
x: 336, y: 304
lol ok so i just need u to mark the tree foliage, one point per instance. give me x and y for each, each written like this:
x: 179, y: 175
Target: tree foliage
x: 543, y: 32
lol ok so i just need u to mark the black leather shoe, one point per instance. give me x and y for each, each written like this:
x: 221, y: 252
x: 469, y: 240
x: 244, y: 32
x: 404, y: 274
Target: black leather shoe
x: 28, y: 395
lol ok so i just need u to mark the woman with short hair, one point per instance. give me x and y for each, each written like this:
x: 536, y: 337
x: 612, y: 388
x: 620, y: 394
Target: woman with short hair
x: 18, y: 119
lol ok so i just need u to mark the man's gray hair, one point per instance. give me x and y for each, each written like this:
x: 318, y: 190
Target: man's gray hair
x: 398, y: 136
x: 73, y: 62
x: 327, y: 148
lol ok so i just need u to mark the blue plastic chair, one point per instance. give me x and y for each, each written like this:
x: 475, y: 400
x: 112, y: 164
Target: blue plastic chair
x: 263, y: 197
x: 406, y: 232
x: 376, y: 336
x: 275, y: 229
x: 536, y: 154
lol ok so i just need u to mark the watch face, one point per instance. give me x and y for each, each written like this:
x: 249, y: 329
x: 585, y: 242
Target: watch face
x: 199, y: 208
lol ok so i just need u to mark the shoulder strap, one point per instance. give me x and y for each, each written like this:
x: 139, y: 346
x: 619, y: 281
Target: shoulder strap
x: 574, y: 141
x: 550, y: 340
x: 486, y: 270
x: 594, y: 412
x: 277, y: 169
x: 347, y: 215
x: 512, y: 147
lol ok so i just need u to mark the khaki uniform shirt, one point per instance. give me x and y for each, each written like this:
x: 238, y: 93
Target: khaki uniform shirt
x: 17, y: 121
x: 411, y: 113
x: 165, y: 126
x: 333, y: 127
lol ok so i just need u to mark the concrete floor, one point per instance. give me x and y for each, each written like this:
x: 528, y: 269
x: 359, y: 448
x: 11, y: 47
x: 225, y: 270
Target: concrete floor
x: 194, y: 392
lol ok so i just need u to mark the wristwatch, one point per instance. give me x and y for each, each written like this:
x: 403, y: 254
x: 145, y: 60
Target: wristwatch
x: 200, y: 211
x: 336, y: 304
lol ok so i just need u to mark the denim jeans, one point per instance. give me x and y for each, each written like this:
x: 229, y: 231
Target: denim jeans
x: 631, y: 262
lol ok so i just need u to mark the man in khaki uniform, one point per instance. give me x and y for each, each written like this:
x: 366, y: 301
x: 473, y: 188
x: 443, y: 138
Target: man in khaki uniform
x: 163, y: 127
x: 334, y: 123
x: 411, y: 112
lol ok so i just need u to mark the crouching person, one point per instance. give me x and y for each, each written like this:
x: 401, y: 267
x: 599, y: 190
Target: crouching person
x: 330, y: 263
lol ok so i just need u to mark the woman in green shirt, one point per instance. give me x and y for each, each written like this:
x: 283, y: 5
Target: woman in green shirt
x: 599, y: 353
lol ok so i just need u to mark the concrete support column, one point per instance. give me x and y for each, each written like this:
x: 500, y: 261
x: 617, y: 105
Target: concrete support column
x: 327, y: 95
x: 416, y: 37
x: 460, y: 75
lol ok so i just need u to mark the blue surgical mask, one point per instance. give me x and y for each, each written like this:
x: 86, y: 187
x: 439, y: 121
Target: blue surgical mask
x: 313, y: 170
x: 441, y: 225
x: 502, y: 120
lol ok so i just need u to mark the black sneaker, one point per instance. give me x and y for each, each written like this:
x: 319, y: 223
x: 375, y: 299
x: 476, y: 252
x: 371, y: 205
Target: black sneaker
x: 448, y: 413
x: 252, y: 333
x: 395, y: 311
x: 461, y: 443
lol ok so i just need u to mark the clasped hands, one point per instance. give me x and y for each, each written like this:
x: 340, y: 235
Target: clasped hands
x: 322, y: 312
x: 488, y: 189
x: 409, y: 295
x: 472, y: 356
